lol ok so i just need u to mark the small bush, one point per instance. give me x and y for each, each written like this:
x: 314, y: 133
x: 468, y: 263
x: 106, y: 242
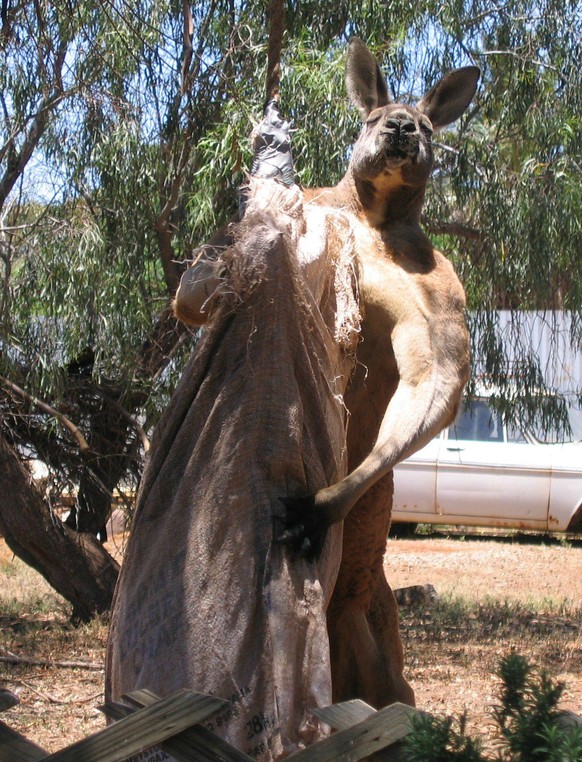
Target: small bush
x: 526, y: 720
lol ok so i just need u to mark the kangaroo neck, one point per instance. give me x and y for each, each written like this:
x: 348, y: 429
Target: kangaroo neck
x: 395, y: 217
x: 390, y: 204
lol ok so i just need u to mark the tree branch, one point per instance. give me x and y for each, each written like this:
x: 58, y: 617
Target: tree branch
x: 127, y: 415
x: 162, y: 224
x: 19, y: 159
x: 187, y: 45
x: 62, y: 419
x: 276, y: 30
x: 10, y: 658
x: 4, y: 18
x: 454, y: 228
x: 76, y: 565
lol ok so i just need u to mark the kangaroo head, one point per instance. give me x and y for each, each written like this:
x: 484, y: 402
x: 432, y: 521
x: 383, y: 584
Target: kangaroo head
x: 392, y: 158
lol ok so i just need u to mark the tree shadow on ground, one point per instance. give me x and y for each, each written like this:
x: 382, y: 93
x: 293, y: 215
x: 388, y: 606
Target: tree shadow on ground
x: 412, y: 531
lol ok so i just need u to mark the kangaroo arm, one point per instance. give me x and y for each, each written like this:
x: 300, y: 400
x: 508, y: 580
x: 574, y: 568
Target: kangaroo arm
x: 433, y: 360
x: 425, y: 401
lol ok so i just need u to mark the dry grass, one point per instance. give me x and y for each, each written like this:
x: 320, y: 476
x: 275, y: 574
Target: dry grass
x: 452, y: 648
x: 58, y: 705
x: 496, y: 596
x: 455, y: 647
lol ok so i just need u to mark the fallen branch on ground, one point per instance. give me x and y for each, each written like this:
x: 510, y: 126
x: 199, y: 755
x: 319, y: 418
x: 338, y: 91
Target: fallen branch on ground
x: 10, y: 658
x: 54, y: 700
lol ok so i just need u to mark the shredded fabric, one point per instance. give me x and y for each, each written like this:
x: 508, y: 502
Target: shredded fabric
x: 207, y: 599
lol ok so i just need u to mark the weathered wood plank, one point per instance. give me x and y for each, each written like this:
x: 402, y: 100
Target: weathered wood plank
x: 393, y: 753
x: 377, y: 732
x: 142, y: 729
x: 194, y: 743
x: 140, y: 698
x: 16, y: 748
x: 344, y: 715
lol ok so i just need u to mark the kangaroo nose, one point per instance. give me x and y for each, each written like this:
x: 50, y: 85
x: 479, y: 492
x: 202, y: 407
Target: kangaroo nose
x: 399, y: 125
x: 407, y: 125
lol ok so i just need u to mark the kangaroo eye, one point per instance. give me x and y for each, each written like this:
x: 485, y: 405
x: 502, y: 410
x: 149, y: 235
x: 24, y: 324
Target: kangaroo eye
x: 372, y: 120
x: 426, y: 128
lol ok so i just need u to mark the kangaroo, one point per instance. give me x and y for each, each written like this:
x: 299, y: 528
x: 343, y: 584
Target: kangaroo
x: 412, y: 363
x: 413, y: 303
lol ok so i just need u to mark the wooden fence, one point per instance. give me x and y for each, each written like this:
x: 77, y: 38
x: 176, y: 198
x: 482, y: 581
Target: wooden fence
x: 174, y: 725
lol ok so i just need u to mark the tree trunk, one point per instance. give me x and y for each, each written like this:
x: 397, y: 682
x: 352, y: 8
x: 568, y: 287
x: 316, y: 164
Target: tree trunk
x: 109, y: 459
x: 76, y: 565
x: 110, y: 434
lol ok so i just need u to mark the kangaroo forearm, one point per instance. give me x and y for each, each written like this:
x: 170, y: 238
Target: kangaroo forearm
x: 414, y: 416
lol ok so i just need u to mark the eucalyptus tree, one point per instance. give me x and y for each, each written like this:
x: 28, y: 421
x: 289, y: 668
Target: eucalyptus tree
x: 123, y: 142
x: 97, y: 132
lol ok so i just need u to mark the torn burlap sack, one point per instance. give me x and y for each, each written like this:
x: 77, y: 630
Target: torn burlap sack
x: 206, y: 599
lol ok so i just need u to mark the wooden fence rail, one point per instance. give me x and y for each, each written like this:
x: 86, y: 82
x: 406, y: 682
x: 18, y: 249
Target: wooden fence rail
x: 174, y: 725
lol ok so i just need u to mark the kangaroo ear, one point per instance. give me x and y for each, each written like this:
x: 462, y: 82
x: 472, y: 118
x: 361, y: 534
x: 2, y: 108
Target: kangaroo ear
x: 364, y: 81
x: 449, y: 98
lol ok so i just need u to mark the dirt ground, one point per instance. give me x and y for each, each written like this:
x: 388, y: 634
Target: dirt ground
x: 495, y: 595
x: 515, y: 567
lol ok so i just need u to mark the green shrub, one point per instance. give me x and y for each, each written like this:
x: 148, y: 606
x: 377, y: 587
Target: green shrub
x: 526, y: 720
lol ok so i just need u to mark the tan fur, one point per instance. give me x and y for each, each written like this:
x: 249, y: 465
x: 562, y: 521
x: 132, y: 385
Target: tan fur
x: 413, y: 365
x: 413, y: 362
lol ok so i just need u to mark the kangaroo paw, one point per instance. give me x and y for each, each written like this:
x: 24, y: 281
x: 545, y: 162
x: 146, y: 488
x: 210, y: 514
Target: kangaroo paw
x: 305, y: 527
